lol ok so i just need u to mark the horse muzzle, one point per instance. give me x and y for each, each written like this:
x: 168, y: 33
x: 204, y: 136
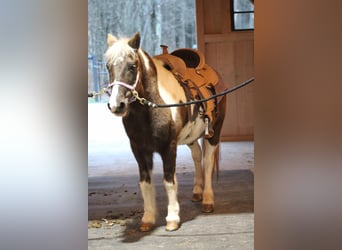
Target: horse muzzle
x: 119, y: 110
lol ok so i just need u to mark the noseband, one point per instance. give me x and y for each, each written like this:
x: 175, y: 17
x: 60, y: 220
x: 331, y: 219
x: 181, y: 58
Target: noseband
x: 130, y: 87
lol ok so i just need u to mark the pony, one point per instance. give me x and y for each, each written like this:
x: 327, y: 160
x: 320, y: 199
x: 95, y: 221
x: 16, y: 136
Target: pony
x: 160, y: 130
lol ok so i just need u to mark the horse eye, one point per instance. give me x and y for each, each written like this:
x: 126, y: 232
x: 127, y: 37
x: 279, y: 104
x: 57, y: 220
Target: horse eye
x: 131, y: 67
x: 108, y: 92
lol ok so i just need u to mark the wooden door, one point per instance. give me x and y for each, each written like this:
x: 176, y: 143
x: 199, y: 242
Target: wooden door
x: 231, y: 54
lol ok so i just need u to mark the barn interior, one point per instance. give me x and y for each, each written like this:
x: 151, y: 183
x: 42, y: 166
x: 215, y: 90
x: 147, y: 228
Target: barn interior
x: 115, y: 204
x: 114, y: 199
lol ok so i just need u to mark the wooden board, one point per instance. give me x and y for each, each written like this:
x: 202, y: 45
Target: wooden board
x: 231, y: 53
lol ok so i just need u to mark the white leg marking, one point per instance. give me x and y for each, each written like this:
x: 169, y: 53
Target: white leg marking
x: 209, y: 158
x: 148, y: 194
x: 196, y: 153
x: 173, y: 207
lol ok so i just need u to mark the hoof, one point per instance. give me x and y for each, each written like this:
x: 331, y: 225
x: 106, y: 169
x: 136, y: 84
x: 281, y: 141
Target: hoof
x: 196, y: 197
x: 145, y: 227
x: 207, y: 208
x: 172, y: 226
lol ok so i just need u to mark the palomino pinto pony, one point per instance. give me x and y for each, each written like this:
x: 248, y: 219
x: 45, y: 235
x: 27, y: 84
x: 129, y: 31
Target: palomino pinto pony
x: 160, y: 130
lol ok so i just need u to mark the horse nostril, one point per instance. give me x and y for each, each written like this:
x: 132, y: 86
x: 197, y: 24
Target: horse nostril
x: 117, y: 109
x: 122, y: 105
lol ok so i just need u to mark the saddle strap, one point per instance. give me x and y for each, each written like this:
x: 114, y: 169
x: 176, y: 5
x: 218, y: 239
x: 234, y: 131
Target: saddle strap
x: 188, y: 98
x: 189, y: 94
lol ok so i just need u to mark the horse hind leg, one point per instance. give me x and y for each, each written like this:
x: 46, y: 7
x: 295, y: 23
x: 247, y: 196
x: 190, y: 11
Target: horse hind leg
x: 209, y: 162
x: 210, y: 159
x: 196, y: 152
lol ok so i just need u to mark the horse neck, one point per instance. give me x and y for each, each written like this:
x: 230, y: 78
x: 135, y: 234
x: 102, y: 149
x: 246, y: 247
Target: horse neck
x: 149, y: 86
x: 145, y: 88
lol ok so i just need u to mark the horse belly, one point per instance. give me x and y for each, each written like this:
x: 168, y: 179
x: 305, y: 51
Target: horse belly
x: 191, y: 132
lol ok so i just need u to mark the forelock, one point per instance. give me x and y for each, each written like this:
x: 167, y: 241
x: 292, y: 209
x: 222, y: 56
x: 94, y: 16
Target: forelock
x: 118, y: 51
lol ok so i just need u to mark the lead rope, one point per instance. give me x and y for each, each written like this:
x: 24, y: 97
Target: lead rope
x: 208, y: 131
x: 143, y: 101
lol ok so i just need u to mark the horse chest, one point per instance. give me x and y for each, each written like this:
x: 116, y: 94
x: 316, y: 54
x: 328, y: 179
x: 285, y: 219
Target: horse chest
x: 149, y: 129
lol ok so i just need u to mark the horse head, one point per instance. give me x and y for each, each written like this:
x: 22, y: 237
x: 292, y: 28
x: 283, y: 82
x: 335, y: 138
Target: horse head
x: 122, y: 63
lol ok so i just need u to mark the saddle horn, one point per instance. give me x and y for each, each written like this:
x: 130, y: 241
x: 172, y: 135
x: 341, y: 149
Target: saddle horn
x: 164, y: 47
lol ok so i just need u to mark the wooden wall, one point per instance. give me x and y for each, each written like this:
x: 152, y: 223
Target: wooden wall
x: 231, y: 54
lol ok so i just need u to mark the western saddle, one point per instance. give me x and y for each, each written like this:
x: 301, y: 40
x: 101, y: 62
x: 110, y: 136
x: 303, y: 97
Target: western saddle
x: 198, y: 80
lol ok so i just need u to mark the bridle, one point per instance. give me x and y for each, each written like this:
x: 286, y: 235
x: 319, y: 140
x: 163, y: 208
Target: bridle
x: 130, y: 87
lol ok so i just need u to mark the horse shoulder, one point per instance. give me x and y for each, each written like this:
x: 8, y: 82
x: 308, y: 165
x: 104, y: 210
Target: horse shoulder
x: 170, y: 89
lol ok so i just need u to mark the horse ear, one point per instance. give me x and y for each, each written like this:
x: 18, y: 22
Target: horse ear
x: 134, y: 42
x: 111, y: 39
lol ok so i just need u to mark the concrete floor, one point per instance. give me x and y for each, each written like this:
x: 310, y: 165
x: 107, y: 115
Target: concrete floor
x: 115, y: 203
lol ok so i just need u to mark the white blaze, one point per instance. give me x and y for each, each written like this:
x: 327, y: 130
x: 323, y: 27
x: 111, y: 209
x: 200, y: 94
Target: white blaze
x: 113, y: 96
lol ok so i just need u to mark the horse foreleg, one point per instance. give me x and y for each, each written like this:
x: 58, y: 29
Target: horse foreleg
x: 149, y: 218
x: 145, y: 162
x: 209, y: 160
x: 172, y: 218
x: 196, y: 153
x: 171, y: 187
